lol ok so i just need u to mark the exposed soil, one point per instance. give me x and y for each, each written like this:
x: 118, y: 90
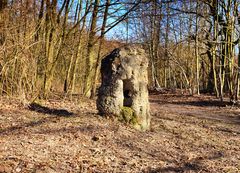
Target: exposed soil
x: 188, y: 134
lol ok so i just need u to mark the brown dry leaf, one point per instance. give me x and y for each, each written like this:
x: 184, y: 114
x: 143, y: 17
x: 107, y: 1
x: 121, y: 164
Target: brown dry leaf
x: 185, y: 135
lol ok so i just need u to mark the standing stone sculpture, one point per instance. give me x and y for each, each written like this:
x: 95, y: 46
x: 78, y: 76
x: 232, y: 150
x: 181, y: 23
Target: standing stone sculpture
x: 123, y: 92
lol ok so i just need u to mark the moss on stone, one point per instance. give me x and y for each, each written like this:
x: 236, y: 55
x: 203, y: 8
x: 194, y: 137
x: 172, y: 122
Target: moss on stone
x: 127, y: 115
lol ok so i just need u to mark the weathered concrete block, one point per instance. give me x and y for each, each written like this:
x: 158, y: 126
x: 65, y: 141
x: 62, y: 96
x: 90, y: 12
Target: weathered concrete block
x: 123, y: 91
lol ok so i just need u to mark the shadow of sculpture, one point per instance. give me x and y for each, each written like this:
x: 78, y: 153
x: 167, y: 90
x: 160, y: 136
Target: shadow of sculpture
x: 45, y: 110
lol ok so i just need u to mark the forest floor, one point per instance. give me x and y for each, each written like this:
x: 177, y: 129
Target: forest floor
x: 188, y: 134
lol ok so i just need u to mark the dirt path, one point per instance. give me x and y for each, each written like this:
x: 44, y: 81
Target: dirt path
x: 189, y: 134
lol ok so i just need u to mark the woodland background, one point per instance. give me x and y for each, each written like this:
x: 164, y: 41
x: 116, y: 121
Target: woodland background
x: 50, y: 54
x: 50, y: 45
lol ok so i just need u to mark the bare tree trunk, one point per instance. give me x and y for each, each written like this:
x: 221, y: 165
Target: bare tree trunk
x: 230, y: 51
x: 50, y: 39
x: 3, y: 5
x: 196, y: 52
x: 78, y: 53
x: 166, y: 60
x: 90, y: 59
x: 214, y: 57
x: 237, y: 14
x: 101, y: 39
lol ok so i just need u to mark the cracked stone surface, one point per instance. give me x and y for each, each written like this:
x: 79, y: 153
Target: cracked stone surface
x: 124, y: 84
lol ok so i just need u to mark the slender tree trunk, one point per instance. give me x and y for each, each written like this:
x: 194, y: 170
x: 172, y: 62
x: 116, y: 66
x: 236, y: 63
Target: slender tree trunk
x: 101, y: 40
x: 196, y: 52
x: 50, y: 39
x: 230, y: 52
x: 66, y: 81
x: 78, y: 53
x: 3, y: 5
x: 166, y: 61
x: 237, y: 14
x: 214, y: 59
x: 90, y: 57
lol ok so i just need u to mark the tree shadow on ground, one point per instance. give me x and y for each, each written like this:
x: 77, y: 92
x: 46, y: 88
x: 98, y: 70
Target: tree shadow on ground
x: 185, y: 168
x: 24, y: 128
x: 18, y: 128
x: 45, y: 110
x: 199, y: 103
x: 40, y: 109
x: 205, y: 103
x: 83, y: 128
x: 194, y: 165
